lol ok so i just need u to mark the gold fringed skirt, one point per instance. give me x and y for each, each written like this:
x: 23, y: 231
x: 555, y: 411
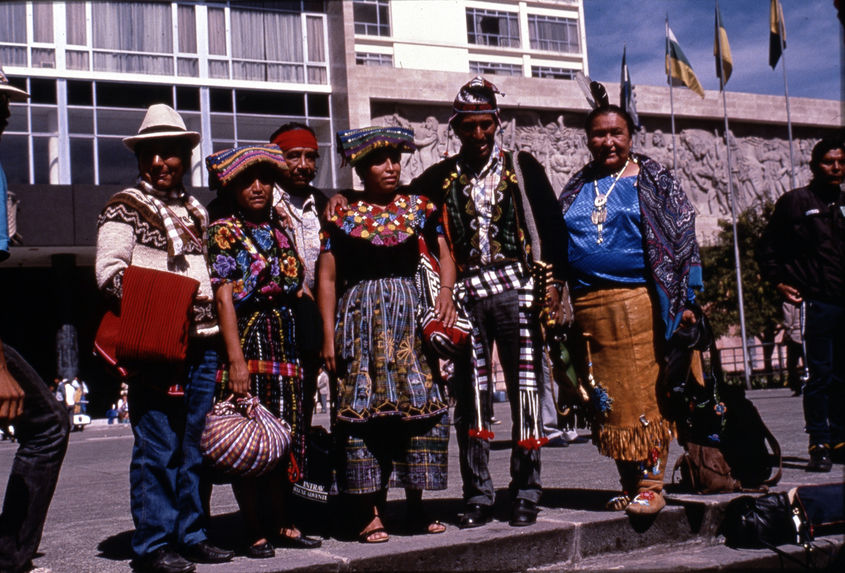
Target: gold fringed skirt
x: 625, y: 346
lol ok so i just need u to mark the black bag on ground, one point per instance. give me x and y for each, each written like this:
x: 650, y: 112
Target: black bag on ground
x: 764, y: 521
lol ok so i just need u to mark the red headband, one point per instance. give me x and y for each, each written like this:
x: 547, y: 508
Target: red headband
x: 296, y: 138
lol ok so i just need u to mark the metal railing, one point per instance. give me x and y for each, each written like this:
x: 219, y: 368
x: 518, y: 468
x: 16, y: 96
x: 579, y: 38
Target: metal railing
x: 771, y: 373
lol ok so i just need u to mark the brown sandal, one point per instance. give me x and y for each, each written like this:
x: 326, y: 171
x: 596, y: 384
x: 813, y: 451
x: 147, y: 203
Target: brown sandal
x: 366, y: 536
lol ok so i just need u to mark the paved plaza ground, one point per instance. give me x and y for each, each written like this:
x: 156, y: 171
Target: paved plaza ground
x: 89, y: 525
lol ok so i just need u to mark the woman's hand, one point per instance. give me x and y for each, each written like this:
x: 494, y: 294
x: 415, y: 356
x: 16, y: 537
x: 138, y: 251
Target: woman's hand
x: 444, y: 307
x: 305, y: 292
x: 238, y: 377
x: 335, y: 201
x: 327, y: 355
x: 688, y: 318
x: 284, y: 217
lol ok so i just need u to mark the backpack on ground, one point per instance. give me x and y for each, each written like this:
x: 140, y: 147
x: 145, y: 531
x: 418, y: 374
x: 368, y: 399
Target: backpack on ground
x: 727, y: 446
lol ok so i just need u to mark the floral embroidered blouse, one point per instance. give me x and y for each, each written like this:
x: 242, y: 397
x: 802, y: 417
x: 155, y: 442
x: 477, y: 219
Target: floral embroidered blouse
x: 260, y: 260
x: 374, y: 241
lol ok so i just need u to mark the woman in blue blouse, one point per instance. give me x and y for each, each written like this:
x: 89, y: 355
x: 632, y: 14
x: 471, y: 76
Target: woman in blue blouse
x: 633, y: 262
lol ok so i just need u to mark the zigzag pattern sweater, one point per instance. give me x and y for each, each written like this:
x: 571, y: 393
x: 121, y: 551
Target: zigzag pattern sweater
x: 130, y: 232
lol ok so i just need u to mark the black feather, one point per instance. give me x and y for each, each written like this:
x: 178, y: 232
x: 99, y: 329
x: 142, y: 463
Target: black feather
x: 599, y: 94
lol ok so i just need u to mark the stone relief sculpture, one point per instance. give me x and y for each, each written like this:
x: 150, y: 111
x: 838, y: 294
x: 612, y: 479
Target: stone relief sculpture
x: 760, y: 164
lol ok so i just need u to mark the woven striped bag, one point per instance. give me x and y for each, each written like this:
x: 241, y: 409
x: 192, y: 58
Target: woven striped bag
x: 243, y: 438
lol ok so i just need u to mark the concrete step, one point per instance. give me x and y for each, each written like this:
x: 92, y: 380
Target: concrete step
x: 824, y: 555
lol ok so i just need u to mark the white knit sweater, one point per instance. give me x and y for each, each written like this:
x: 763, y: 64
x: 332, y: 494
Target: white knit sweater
x: 131, y: 233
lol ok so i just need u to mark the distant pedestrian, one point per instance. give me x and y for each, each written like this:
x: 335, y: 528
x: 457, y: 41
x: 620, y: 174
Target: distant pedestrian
x: 803, y: 254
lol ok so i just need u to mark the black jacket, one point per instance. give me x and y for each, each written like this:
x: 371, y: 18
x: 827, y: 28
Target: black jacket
x: 804, y: 243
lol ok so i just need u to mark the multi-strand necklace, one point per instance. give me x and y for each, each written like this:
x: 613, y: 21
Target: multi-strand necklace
x: 599, y: 214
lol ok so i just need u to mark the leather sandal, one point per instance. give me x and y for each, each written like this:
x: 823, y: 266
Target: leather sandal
x: 366, y: 536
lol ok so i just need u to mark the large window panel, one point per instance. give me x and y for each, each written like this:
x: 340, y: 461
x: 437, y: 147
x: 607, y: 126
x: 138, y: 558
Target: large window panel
x: 14, y: 149
x: 491, y: 28
x: 130, y: 35
x: 261, y: 54
x: 222, y: 127
x: 216, y: 31
x: 42, y: 22
x: 45, y: 120
x: 316, y: 43
x: 372, y: 17
x: 45, y: 160
x: 80, y: 121
x: 119, y: 122
x: 118, y: 165
x: 187, y: 29
x: 553, y: 34
x: 75, y: 24
x: 12, y: 23
x: 81, y: 160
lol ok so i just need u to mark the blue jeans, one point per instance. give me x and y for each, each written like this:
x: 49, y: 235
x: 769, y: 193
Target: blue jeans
x: 42, y: 431
x: 824, y: 393
x: 164, y: 474
x: 497, y: 320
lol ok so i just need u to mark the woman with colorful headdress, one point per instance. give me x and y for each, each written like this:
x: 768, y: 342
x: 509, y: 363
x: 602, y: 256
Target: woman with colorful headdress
x: 256, y: 274
x: 633, y: 262
x: 391, y: 422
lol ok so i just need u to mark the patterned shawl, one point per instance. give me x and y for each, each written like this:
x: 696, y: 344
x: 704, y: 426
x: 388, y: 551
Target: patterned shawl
x: 667, y: 223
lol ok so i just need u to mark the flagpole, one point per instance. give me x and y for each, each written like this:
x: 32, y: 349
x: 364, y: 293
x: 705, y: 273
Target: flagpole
x: 733, y: 216
x: 781, y: 35
x: 671, y: 101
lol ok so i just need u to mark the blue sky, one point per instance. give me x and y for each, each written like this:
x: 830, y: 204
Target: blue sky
x: 813, y: 51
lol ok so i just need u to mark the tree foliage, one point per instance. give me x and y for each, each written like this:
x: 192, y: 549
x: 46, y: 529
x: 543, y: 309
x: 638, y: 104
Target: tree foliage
x: 762, y: 304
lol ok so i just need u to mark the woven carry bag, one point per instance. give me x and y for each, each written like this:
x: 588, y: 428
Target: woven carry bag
x: 446, y: 342
x: 243, y: 438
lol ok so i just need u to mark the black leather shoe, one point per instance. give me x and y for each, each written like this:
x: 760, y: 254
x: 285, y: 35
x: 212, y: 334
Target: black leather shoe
x: 205, y: 552
x: 475, y: 515
x: 819, y: 459
x: 301, y: 542
x: 261, y: 551
x: 524, y: 513
x: 163, y: 560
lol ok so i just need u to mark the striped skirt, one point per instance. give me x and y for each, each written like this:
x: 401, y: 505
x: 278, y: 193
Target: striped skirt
x: 392, y: 423
x: 268, y: 340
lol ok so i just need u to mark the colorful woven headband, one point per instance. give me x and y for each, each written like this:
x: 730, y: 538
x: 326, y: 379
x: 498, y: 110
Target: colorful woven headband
x: 227, y: 164
x: 355, y: 144
x: 296, y: 138
x: 476, y: 96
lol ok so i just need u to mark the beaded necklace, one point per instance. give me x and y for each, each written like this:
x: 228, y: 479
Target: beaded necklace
x: 599, y: 214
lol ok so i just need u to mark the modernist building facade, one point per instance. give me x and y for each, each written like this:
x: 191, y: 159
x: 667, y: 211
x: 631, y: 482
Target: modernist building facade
x: 237, y: 70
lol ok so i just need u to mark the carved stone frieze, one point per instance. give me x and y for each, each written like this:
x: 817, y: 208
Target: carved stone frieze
x: 759, y: 152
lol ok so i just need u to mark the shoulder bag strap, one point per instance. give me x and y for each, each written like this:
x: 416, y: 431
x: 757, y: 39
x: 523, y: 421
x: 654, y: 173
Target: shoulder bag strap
x: 528, y: 214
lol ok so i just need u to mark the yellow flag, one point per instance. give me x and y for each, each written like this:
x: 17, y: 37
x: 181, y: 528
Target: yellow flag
x: 722, y: 51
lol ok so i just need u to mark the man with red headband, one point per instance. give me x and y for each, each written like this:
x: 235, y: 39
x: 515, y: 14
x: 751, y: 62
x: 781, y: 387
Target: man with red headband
x: 299, y: 204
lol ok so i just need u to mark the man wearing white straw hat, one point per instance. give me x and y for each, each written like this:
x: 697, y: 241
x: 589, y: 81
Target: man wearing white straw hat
x: 41, y: 424
x: 157, y: 225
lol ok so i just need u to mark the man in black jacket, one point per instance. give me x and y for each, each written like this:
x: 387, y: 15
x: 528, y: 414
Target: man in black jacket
x: 803, y: 254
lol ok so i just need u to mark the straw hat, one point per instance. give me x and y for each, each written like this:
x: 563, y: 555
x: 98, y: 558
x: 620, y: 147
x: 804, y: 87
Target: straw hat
x: 14, y: 94
x: 162, y: 121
